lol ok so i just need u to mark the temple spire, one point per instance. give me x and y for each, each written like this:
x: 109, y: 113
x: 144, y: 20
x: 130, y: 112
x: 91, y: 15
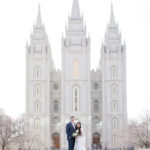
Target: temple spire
x: 39, y: 20
x: 112, y: 18
x: 75, y: 10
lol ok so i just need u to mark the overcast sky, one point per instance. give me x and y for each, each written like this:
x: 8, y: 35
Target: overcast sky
x: 16, y: 24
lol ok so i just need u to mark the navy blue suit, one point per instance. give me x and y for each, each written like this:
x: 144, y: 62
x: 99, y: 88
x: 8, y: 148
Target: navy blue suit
x: 71, y: 140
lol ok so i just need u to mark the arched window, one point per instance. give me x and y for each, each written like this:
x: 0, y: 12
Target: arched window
x: 114, y: 105
x: 76, y: 97
x: 56, y: 86
x: 37, y: 89
x: 37, y: 106
x: 95, y: 86
x: 115, y: 123
x: 114, y: 72
x: 37, y: 123
x: 96, y: 106
x: 75, y: 68
x: 114, y: 140
x: 55, y: 106
x: 114, y: 90
x: 37, y: 72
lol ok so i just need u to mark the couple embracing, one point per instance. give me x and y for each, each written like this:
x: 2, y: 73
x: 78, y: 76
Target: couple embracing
x: 75, y: 135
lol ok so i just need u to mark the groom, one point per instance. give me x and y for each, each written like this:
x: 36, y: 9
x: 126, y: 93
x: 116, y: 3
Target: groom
x: 70, y: 129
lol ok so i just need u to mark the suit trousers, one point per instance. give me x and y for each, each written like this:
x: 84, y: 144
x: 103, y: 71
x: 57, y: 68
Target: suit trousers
x: 71, y: 143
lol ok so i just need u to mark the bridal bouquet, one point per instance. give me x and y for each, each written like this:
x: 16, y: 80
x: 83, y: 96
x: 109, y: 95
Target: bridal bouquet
x: 75, y: 134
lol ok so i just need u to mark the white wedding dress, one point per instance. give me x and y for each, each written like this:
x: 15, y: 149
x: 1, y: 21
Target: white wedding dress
x: 80, y: 141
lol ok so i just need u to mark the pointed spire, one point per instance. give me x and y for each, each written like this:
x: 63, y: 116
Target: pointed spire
x: 39, y: 20
x: 75, y: 10
x: 112, y: 18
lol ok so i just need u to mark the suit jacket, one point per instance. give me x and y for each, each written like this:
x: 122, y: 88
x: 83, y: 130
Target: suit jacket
x: 69, y: 130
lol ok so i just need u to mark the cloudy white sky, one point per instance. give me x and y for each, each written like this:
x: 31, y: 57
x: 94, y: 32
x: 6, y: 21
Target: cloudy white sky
x: 16, y: 22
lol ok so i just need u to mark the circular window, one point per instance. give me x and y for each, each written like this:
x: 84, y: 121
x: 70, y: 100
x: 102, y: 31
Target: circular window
x: 96, y: 120
x: 55, y: 120
x: 95, y: 86
x: 55, y: 86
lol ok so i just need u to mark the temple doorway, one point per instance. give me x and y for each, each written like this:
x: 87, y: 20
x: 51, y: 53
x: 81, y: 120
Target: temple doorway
x: 96, y: 140
x: 56, y: 140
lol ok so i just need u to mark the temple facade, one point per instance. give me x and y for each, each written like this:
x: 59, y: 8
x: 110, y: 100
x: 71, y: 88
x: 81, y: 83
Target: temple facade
x: 97, y: 98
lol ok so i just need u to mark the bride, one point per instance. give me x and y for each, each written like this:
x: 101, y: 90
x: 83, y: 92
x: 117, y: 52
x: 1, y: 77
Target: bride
x: 80, y: 139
